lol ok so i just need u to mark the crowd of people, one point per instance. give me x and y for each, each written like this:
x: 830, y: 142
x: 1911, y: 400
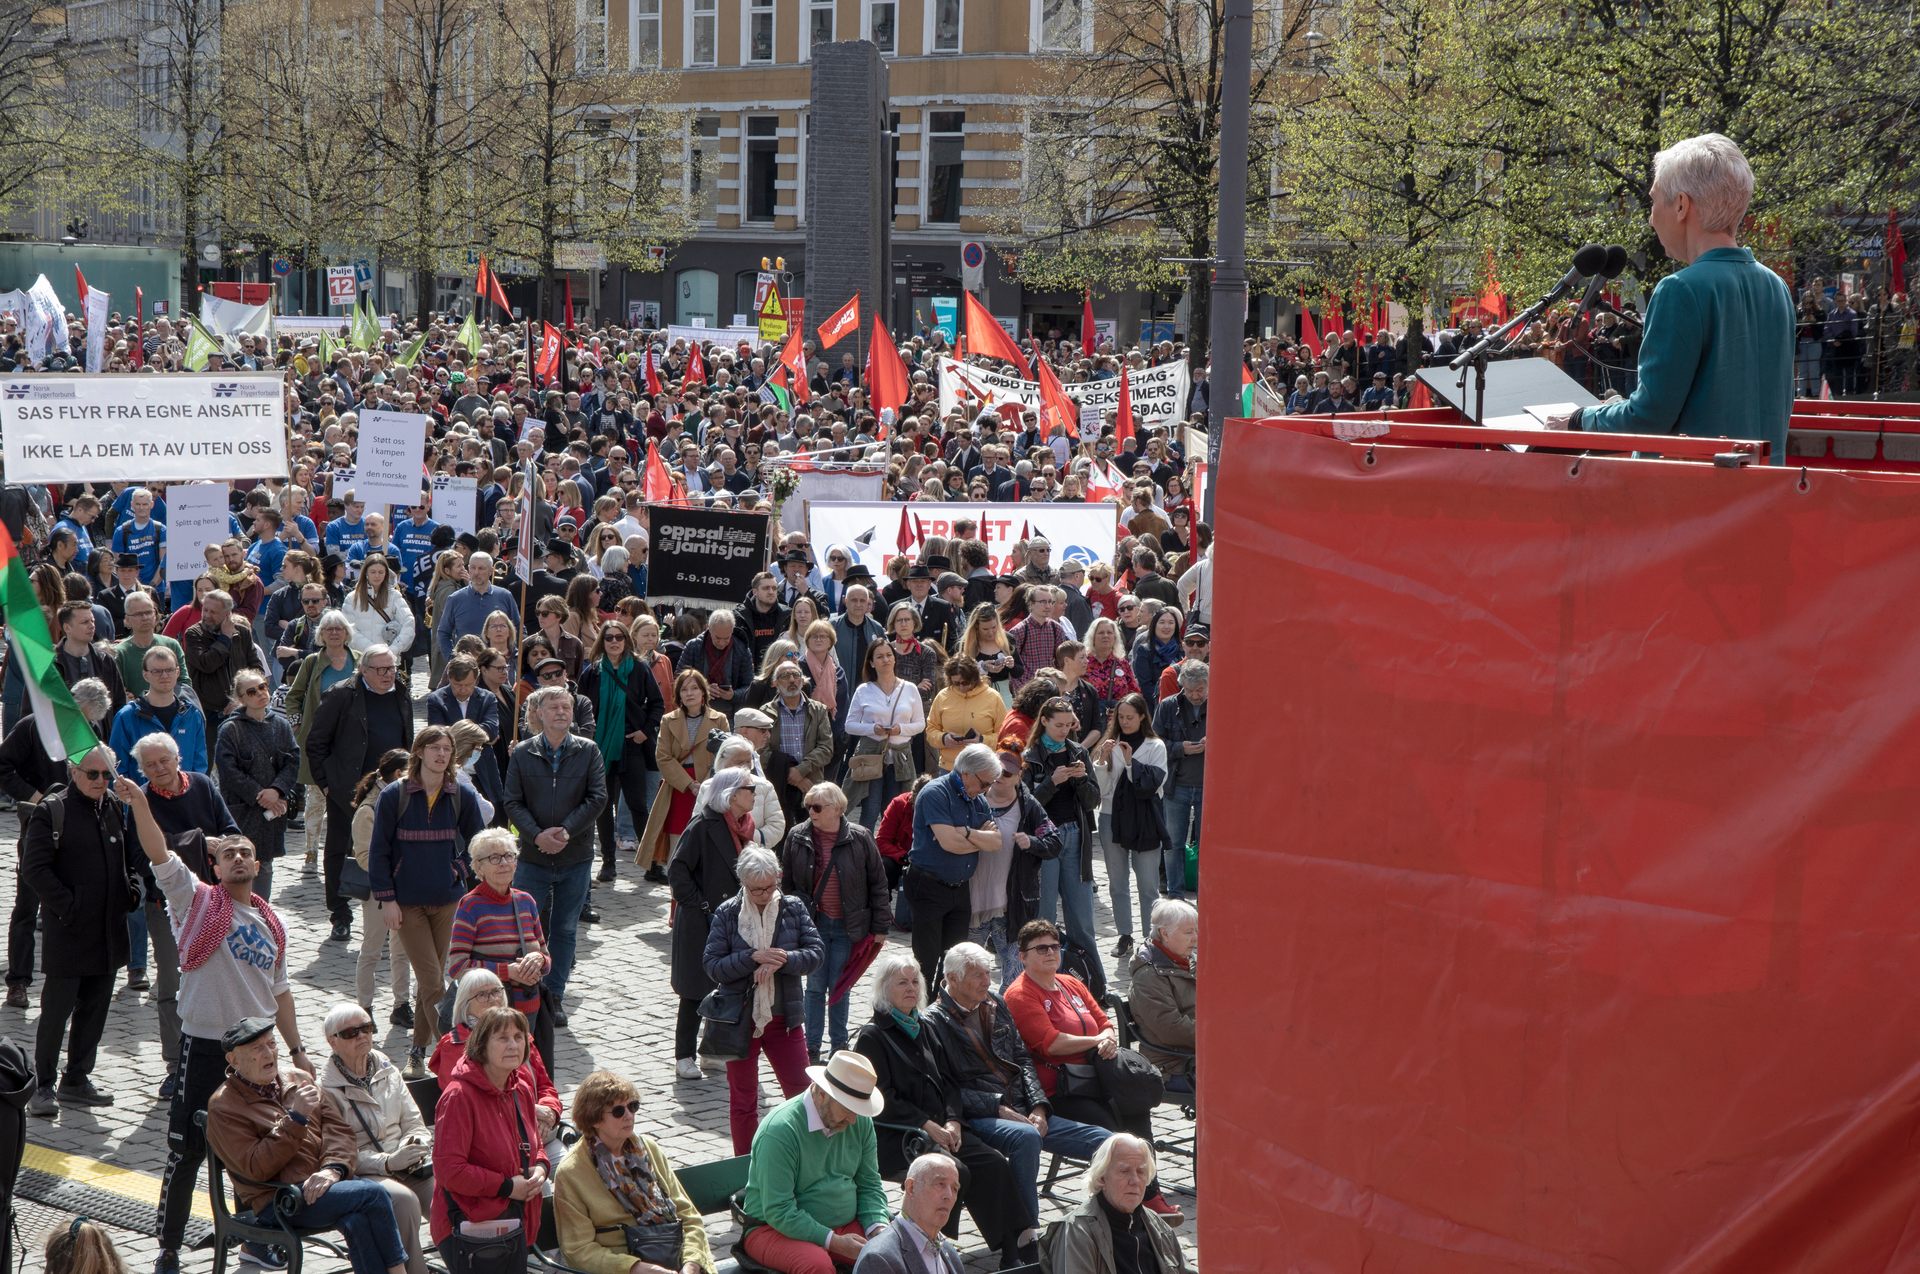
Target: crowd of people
x: 463, y: 743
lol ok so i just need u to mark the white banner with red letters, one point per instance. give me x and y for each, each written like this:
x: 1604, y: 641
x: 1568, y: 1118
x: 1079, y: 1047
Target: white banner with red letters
x: 1159, y: 394
x: 1085, y: 533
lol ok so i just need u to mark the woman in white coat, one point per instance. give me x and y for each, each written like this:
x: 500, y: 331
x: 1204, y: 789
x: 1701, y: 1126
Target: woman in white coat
x: 375, y: 610
x: 737, y: 753
x: 1131, y: 764
x: 392, y: 1142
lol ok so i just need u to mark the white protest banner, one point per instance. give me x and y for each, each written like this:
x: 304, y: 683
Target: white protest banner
x: 231, y: 318
x: 1159, y: 394
x: 725, y: 337
x: 1084, y: 533
x: 387, y: 461
x: 841, y: 482
x: 196, y: 517
x: 46, y: 322
x: 13, y: 305
x: 116, y: 428
x: 342, y: 286
x: 94, y: 310
x: 456, y: 501
x: 317, y: 323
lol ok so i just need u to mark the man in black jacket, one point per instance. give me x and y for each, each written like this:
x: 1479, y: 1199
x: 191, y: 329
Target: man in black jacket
x: 938, y: 621
x: 356, y: 723
x: 87, y: 873
x: 982, y: 1057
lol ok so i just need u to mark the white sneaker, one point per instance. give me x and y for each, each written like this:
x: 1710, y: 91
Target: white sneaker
x: 687, y: 1068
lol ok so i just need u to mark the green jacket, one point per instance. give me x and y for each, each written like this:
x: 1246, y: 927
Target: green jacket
x: 806, y: 1184
x: 1717, y: 360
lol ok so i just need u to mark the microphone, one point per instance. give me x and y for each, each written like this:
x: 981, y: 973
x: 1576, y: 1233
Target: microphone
x: 1590, y: 259
x: 1616, y: 262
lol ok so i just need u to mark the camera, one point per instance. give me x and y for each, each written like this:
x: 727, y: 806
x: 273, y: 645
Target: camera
x: 714, y: 739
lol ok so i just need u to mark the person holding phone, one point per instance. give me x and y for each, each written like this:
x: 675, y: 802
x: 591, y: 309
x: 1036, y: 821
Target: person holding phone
x: 1059, y: 772
x: 966, y: 710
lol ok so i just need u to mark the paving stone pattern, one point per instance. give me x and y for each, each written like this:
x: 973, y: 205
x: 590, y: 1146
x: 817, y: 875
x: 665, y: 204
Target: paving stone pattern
x: 621, y: 1010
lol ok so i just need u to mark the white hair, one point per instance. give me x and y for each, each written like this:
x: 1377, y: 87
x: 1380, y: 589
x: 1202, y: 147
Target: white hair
x: 544, y: 695
x: 1192, y: 673
x: 341, y: 1015
x: 614, y: 559
x: 721, y: 787
x: 734, y: 745
x: 1711, y: 170
x: 91, y: 697
x: 1169, y: 914
x: 332, y: 619
x: 472, y: 982
x: 1103, y: 1157
x: 892, y: 960
x: 928, y: 1164
x: 977, y: 758
x: 963, y: 958
x: 720, y: 619
x: 158, y: 739
x: 756, y: 862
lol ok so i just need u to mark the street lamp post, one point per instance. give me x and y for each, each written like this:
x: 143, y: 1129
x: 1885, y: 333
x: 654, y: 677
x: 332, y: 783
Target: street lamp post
x: 1229, y: 298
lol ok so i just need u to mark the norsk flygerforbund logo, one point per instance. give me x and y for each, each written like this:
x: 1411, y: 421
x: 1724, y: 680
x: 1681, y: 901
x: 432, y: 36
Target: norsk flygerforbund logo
x: 243, y: 389
x: 39, y: 390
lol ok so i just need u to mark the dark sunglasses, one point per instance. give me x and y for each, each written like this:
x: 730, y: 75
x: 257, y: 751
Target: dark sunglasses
x: 620, y: 1111
x: 98, y: 776
x: 1042, y: 948
x: 354, y: 1032
x: 815, y: 808
x: 613, y: 636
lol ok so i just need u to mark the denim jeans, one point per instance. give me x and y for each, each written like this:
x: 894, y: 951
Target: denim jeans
x: 993, y: 936
x: 879, y: 793
x: 1182, y: 805
x: 625, y: 824
x: 363, y: 1214
x: 559, y: 893
x: 1022, y: 1143
x: 137, y: 940
x: 1145, y: 875
x: 1062, y: 890
x: 820, y: 986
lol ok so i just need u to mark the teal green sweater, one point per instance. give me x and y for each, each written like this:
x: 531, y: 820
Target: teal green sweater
x: 1717, y: 359
x: 806, y: 1184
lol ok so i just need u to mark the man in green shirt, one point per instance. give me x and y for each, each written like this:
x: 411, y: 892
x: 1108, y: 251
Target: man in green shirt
x: 1716, y: 360
x: 813, y: 1184
x: 131, y: 653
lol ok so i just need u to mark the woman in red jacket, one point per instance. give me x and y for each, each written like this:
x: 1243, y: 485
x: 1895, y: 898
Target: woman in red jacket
x: 487, y: 1156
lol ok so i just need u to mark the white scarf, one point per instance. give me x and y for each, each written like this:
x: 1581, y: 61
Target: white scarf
x: 756, y: 930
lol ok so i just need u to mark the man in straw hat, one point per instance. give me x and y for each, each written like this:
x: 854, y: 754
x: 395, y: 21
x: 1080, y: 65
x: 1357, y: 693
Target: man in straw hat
x: 814, y: 1195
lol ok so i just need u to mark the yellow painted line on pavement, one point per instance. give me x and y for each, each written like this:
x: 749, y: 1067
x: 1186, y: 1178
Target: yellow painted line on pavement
x: 128, y: 1183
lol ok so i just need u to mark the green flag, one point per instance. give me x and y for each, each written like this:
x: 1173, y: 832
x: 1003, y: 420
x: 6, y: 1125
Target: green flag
x: 199, y: 345
x: 64, y: 731
x: 326, y: 351
x: 365, y: 332
x: 469, y: 336
x: 411, y: 354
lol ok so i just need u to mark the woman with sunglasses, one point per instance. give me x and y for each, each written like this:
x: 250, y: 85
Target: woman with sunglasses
x: 497, y: 927
x: 259, y: 766
x: 833, y: 863
x: 614, y: 1177
x: 392, y: 1143
x: 627, y: 707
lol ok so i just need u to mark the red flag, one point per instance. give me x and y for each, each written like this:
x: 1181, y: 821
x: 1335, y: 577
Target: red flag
x: 1123, y: 413
x: 1307, y: 329
x: 136, y: 349
x: 567, y: 319
x: 1086, y: 323
x: 1420, y: 397
x: 1333, y: 317
x: 990, y: 339
x: 840, y: 324
x: 548, y: 365
x: 696, y: 373
x: 794, y: 359
x: 82, y: 279
x: 654, y: 386
x: 1054, y: 401
x: 1493, y: 300
x: 1896, y: 255
x: 487, y: 286
x: 656, y: 485
x: 1024, y: 530
x: 904, y: 540
x: 887, y: 381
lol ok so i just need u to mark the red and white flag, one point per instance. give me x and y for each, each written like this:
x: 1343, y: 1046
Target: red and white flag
x: 840, y: 324
x: 548, y: 365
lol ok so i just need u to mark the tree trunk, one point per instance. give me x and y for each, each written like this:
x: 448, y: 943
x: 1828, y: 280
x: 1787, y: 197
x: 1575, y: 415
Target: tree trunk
x: 1199, y: 311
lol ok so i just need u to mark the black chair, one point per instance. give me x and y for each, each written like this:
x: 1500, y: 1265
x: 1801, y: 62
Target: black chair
x: 278, y: 1230
x: 426, y: 1095
x: 710, y: 1187
x: 1187, y: 1103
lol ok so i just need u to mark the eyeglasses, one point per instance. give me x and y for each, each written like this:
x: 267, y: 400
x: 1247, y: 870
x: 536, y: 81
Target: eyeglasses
x: 1196, y: 641
x: 1044, y: 948
x: 254, y: 690
x: 354, y: 1032
x: 620, y: 1111
x: 815, y: 808
x: 97, y: 776
x: 494, y: 860
x: 377, y: 667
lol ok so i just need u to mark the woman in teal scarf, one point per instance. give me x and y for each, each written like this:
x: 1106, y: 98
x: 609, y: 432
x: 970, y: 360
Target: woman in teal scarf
x: 627, y: 706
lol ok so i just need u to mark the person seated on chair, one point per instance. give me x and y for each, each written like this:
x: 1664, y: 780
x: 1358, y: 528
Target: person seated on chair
x: 814, y: 1197
x: 486, y: 1160
x: 904, y: 1056
x: 1162, y: 991
x: 983, y: 1058
x: 912, y: 1244
x: 391, y: 1139
x: 614, y: 1177
x: 1112, y: 1231
x: 271, y: 1126
x: 478, y: 991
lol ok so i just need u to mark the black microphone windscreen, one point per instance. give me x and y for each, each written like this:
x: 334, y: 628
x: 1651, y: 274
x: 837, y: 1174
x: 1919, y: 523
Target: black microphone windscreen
x: 1616, y: 261
x: 1591, y: 259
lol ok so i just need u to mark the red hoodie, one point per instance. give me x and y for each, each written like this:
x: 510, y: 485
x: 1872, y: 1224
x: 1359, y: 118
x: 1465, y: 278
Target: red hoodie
x: 452, y: 1049
x: 476, y: 1147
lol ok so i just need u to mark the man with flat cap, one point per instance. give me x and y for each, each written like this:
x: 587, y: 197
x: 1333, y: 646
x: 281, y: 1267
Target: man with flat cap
x: 271, y: 1126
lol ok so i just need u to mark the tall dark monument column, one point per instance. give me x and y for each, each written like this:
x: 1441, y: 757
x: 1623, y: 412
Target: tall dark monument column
x: 850, y: 215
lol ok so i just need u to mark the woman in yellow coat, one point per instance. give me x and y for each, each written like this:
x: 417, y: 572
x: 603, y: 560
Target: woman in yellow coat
x: 685, y: 762
x: 613, y: 1178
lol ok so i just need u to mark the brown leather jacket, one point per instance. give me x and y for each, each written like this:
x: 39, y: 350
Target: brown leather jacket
x: 257, y: 1137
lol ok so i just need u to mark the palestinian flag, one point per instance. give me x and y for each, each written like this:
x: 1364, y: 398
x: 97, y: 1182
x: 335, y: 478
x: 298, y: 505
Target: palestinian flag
x: 64, y: 732
x: 773, y: 392
x: 1246, y: 389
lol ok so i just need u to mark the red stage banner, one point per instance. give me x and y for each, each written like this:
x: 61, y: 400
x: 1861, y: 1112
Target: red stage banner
x: 1560, y: 865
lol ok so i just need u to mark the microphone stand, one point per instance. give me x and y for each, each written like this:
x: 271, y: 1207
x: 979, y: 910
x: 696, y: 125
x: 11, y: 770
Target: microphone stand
x: 1481, y: 352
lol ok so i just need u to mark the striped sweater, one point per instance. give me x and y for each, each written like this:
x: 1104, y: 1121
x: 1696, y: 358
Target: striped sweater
x: 490, y: 931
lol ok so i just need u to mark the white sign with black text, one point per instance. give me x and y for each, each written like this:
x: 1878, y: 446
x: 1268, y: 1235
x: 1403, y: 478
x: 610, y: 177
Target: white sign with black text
x: 388, y: 457
x: 456, y: 501
x: 117, y: 428
x: 196, y: 517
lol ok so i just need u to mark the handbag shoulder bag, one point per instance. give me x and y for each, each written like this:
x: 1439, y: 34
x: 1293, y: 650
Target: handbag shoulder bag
x: 867, y: 767
x: 657, y: 1244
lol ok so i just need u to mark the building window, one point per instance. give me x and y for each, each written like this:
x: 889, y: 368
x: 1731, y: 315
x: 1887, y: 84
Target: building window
x: 1062, y: 24
x: 593, y: 35
x: 704, y: 32
x: 643, y: 36
x: 820, y: 23
x: 696, y: 296
x: 763, y: 157
x: 941, y: 146
x: 759, y: 30
x: 880, y: 24
x: 945, y: 18
x: 703, y: 169
x: 893, y: 146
